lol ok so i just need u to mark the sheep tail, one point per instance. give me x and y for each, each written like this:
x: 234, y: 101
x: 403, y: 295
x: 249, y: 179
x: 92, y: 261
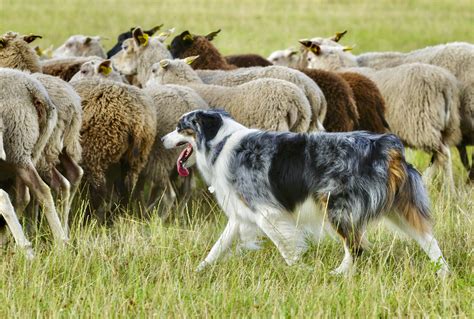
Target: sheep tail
x: 3, y: 156
x: 72, y: 140
x: 47, y: 120
x: 318, y: 107
x: 451, y: 133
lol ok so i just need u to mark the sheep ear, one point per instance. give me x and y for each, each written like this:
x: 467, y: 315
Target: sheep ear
x: 105, y: 68
x: 305, y: 43
x: 187, y: 37
x: 153, y: 30
x: 348, y: 48
x: 338, y: 36
x: 165, y: 35
x: 294, y: 52
x: 212, y: 35
x: 316, y: 49
x: 38, y: 50
x: 30, y: 38
x: 164, y: 63
x: 190, y: 59
x: 87, y: 40
x: 140, y: 38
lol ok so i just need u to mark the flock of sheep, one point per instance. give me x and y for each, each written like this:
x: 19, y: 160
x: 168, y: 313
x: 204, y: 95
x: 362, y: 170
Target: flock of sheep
x: 87, y: 113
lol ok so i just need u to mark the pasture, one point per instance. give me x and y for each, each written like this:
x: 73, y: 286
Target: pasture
x: 145, y: 267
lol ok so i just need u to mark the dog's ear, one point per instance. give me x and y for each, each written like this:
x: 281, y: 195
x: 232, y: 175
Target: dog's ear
x: 209, y: 124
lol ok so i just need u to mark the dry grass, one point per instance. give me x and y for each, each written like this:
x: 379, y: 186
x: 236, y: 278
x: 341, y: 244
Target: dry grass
x: 140, y: 268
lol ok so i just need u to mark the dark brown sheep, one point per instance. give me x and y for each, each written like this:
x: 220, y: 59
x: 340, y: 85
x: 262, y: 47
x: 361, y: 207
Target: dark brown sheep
x: 342, y: 115
x: 187, y: 44
x: 247, y: 60
x: 369, y: 101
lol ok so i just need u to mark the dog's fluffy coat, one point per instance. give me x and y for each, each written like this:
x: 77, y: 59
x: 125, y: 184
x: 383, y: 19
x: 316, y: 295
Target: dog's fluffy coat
x: 285, y: 185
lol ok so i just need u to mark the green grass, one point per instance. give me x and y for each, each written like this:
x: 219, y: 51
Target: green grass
x: 144, y: 268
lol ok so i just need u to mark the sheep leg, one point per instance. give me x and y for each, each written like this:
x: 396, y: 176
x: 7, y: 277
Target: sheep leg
x: 441, y: 160
x: 42, y: 192
x: 8, y: 213
x: 446, y: 163
x: 463, y: 156
x: 73, y: 172
x: 22, y: 196
x: 471, y: 172
x: 62, y: 187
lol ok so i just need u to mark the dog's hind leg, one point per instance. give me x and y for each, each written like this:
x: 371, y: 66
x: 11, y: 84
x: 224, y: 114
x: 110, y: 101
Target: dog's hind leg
x: 352, y: 238
x: 222, y: 244
x: 423, y: 235
x: 282, y: 231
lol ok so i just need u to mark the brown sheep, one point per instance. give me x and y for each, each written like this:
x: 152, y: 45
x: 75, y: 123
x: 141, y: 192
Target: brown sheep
x: 341, y: 115
x: 369, y: 101
x: 118, y: 131
x: 247, y: 60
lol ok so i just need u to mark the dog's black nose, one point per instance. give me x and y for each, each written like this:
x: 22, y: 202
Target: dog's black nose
x: 163, y: 139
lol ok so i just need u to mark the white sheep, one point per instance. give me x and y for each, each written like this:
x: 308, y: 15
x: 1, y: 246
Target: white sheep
x: 243, y: 75
x: 80, y: 45
x: 63, y: 148
x: 270, y: 104
x: 422, y: 102
x: 29, y: 117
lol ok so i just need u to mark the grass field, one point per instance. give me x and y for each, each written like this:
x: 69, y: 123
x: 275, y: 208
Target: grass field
x: 145, y: 268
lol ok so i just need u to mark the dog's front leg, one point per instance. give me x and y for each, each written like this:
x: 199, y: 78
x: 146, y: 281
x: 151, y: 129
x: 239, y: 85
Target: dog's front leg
x: 222, y: 245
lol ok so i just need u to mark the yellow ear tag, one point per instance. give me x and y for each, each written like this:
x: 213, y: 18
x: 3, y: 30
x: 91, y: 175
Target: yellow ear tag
x: 347, y: 49
x: 39, y: 52
x: 188, y: 37
x: 143, y: 39
x: 105, y: 70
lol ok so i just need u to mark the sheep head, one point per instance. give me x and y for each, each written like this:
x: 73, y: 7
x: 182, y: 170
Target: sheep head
x: 288, y: 57
x: 175, y: 71
x: 80, y: 45
x: 15, y: 53
x: 329, y: 57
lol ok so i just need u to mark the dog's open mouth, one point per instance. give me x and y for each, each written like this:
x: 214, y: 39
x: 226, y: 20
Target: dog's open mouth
x: 183, y: 157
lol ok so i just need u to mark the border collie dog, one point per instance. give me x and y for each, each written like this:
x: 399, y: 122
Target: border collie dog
x: 287, y: 185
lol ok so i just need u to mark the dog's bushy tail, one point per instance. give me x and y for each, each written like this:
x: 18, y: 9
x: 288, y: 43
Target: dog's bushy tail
x: 409, y: 195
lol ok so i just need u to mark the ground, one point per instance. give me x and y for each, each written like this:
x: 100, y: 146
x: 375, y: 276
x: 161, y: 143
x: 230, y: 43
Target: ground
x: 144, y: 268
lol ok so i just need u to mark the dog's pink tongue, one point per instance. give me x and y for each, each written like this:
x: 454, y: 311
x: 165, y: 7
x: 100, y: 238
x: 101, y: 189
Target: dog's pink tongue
x: 182, y: 171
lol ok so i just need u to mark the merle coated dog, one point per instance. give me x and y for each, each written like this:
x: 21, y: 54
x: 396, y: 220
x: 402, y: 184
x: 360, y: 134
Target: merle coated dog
x: 286, y: 185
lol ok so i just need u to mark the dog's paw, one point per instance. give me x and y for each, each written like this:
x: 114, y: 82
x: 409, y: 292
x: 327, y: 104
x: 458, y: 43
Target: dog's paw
x: 443, y: 272
x: 342, y: 271
x: 202, y: 266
